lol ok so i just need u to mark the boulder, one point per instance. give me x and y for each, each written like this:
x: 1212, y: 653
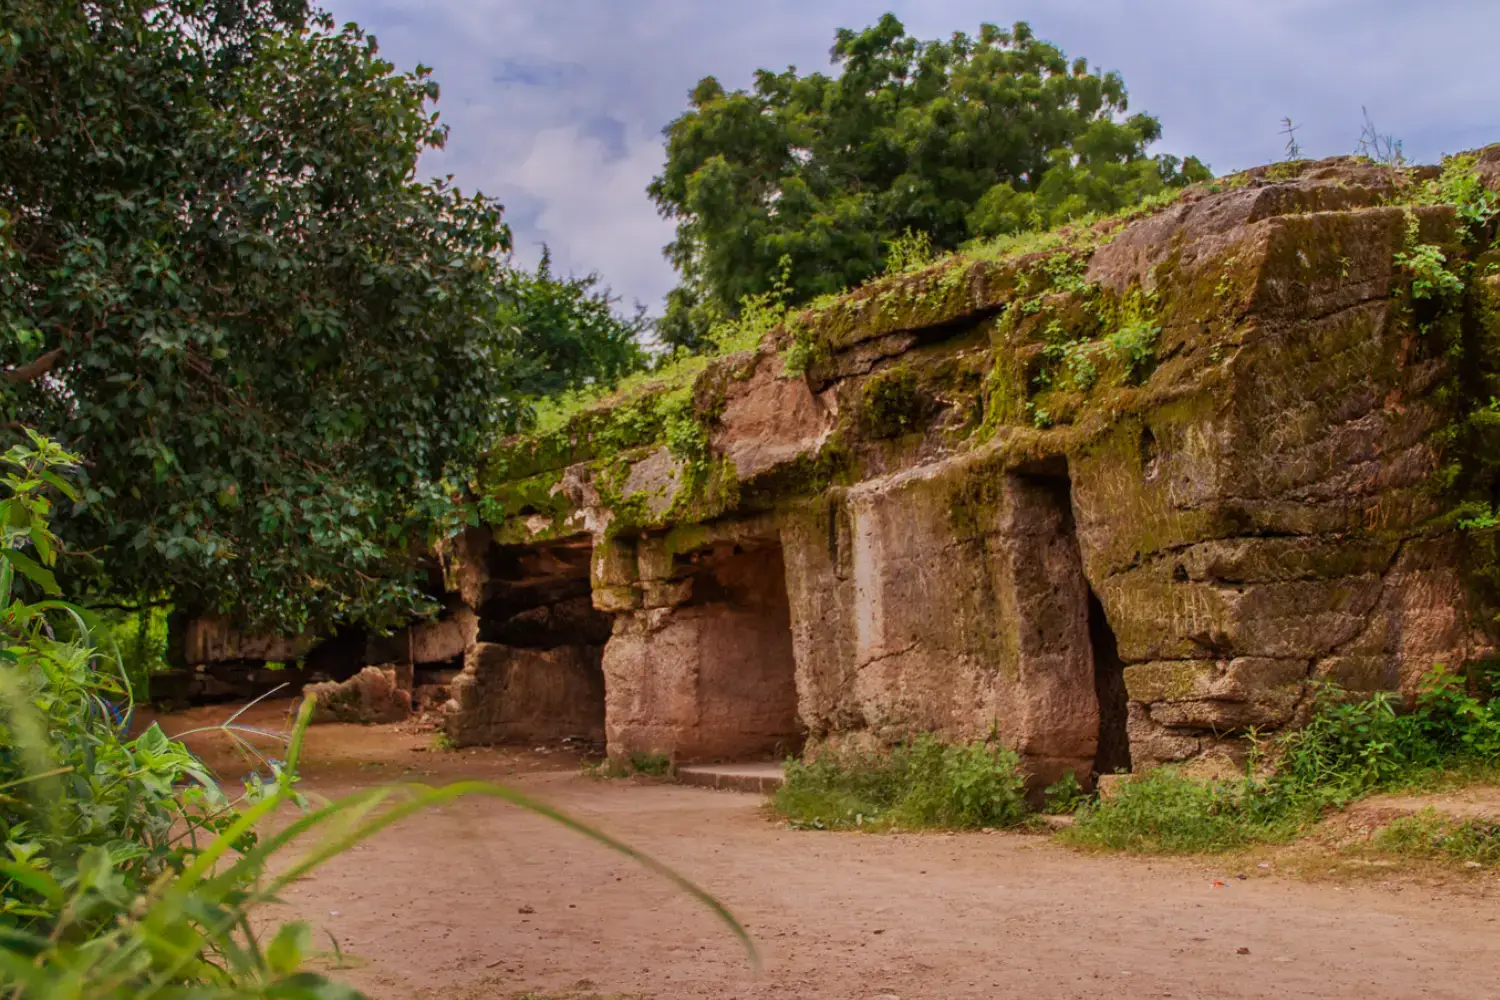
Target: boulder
x: 373, y: 695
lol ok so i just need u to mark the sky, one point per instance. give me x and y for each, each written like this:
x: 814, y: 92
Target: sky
x: 556, y: 106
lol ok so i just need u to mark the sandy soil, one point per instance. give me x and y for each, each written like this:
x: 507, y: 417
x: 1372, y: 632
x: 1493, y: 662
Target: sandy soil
x: 478, y: 900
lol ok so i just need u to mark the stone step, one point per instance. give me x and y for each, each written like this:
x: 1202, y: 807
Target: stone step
x: 761, y: 778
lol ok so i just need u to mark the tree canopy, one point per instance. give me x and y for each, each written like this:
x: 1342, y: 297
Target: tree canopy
x: 221, y: 283
x: 952, y: 139
x: 565, y: 332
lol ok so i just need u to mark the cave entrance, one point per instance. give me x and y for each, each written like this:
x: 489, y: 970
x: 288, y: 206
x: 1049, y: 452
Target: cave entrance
x: 535, y: 671
x: 1053, y: 481
x: 1113, y: 755
x: 746, y: 676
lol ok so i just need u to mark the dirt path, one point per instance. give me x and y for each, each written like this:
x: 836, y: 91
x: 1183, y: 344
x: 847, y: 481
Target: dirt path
x: 477, y: 900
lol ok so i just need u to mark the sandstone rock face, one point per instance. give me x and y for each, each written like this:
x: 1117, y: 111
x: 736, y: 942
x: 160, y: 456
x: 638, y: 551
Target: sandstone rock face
x: 532, y: 649
x: 769, y: 420
x: 372, y: 695
x: 713, y: 675
x: 961, y: 609
x: 212, y: 640
x: 505, y: 695
x: 1112, y: 503
x: 445, y: 639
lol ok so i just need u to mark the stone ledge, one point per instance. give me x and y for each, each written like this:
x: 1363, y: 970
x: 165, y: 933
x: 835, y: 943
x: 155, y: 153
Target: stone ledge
x: 762, y: 779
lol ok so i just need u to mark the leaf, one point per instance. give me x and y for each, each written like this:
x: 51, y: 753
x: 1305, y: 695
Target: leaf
x: 61, y: 484
x: 288, y: 948
x: 35, y: 879
x: 42, y: 539
x: 29, y: 568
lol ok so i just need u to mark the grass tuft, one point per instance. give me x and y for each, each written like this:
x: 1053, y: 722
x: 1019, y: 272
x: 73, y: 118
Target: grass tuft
x: 925, y: 784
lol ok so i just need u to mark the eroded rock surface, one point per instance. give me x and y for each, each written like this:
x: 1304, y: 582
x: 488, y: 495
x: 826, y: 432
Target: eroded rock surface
x: 1114, y: 502
x: 373, y: 695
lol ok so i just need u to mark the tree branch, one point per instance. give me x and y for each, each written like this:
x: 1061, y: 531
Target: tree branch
x: 33, y: 370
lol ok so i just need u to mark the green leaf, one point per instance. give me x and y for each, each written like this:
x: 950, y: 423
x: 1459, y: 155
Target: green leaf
x: 29, y: 568
x: 33, y: 878
x: 288, y: 948
x: 61, y: 484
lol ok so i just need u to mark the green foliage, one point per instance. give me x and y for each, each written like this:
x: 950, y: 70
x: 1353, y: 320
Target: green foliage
x: 137, y: 641
x: 1431, y: 278
x: 99, y: 817
x: 1459, y: 185
x: 1064, y: 795
x: 911, y: 251
x: 652, y: 765
x: 1165, y: 812
x: 1348, y: 749
x: 1132, y: 347
x: 1453, y: 305
x: 1135, y: 347
x: 892, y: 403
x: 925, y: 783
x: 564, y: 333
x: 220, y: 283
x: 913, y: 147
x: 1434, y: 836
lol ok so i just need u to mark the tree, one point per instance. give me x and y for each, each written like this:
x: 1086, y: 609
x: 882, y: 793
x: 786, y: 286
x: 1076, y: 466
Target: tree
x: 565, y: 332
x: 276, y: 351
x: 952, y: 139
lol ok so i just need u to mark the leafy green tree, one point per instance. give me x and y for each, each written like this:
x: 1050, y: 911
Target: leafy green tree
x: 222, y: 285
x: 565, y: 332
x: 953, y: 138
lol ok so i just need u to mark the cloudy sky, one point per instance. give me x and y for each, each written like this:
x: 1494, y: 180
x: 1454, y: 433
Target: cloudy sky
x: 556, y: 106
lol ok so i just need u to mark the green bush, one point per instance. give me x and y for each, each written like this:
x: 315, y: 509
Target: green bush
x: 925, y: 783
x: 1064, y: 795
x: 1347, y: 750
x: 1164, y: 812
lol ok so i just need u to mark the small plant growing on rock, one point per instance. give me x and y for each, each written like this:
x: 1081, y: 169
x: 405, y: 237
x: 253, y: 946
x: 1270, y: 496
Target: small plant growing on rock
x: 893, y: 404
x: 655, y: 765
x: 911, y: 251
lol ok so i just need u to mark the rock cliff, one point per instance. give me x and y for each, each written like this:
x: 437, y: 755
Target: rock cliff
x: 1115, y: 495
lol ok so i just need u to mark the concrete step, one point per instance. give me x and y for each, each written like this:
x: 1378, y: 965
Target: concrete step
x: 761, y: 778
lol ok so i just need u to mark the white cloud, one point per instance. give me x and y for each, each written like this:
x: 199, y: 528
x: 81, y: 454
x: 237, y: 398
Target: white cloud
x: 594, y: 211
x: 556, y: 108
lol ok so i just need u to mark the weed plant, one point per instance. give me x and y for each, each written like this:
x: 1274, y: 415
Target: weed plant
x: 1349, y: 749
x: 922, y: 784
x: 1432, y: 836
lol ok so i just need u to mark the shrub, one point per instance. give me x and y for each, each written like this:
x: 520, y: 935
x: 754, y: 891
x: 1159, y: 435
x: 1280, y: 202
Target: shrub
x: 1348, y: 749
x: 1169, y: 813
x: 1064, y: 795
x: 925, y: 783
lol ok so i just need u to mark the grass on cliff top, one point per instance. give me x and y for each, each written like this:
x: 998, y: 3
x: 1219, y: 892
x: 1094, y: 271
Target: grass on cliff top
x: 760, y: 314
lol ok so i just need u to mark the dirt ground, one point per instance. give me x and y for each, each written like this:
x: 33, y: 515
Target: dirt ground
x: 478, y: 900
